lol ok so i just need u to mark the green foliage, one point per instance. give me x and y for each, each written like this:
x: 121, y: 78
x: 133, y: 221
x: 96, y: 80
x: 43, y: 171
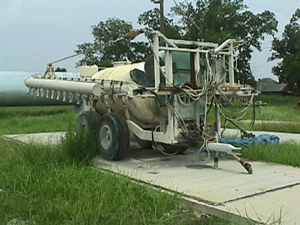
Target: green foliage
x: 150, y: 20
x: 208, y: 20
x: 218, y: 20
x: 101, y: 52
x: 81, y: 147
x: 288, y: 51
x: 58, y: 69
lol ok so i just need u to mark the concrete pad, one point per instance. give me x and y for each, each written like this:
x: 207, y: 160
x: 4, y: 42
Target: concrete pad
x: 51, y: 138
x: 268, y: 121
x: 267, y: 195
x: 281, y: 135
x: 280, y: 205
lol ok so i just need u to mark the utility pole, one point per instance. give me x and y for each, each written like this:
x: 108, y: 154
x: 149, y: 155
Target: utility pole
x: 161, y: 10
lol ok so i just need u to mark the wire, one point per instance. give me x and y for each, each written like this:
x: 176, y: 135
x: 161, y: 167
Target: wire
x: 87, y: 51
x: 160, y: 148
x: 264, y: 7
x: 129, y: 35
x: 193, y: 93
x: 178, y: 116
x: 205, y: 143
x: 244, y: 111
x: 236, y: 113
x: 180, y: 120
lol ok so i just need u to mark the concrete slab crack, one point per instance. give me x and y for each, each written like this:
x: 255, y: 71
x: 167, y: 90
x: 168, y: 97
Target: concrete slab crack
x: 262, y: 193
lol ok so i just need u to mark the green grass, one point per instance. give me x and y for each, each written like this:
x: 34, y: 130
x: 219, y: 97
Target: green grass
x: 285, y: 153
x: 16, y: 120
x: 278, y: 99
x: 52, y: 185
x: 42, y: 185
x: 274, y: 127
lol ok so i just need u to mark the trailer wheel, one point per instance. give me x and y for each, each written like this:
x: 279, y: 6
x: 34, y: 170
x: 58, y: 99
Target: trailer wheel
x: 173, y: 149
x: 125, y: 133
x: 112, y: 137
x: 143, y: 143
x: 88, y: 122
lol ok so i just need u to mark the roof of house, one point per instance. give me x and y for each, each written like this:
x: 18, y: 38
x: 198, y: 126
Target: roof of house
x: 267, y: 80
x: 270, y: 85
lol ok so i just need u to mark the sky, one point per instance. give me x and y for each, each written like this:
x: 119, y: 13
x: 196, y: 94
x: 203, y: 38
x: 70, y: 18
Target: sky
x: 34, y: 33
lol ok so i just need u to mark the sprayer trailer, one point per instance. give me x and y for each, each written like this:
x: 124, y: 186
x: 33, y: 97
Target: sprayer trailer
x: 162, y: 101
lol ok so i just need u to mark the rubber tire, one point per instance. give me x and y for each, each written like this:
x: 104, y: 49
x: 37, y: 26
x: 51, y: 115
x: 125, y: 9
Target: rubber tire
x: 112, y: 137
x: 88, y: 121
x: 125, y: 137
x: 143, y: 143
x: 172, y: 149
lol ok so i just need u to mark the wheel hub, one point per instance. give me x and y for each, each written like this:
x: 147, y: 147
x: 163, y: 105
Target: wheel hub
x: 106, y: 137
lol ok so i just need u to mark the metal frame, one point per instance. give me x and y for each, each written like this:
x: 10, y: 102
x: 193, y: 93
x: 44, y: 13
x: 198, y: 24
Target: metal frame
x: 161, y: 43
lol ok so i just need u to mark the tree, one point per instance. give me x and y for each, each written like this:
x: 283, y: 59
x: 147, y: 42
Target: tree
x: 150, y: 20
x: 218, y: 20
x: 288, y: 51
x: 58, y: 69
x: 103, y: 52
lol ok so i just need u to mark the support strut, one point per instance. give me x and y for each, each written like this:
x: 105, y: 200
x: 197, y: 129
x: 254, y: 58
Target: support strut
x: 246, y: 165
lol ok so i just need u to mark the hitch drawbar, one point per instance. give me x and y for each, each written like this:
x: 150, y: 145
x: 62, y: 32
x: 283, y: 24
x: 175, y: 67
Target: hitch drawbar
x: 230, y: 150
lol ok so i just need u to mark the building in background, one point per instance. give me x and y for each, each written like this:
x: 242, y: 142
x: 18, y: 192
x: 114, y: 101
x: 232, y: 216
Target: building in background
x: 269, y: 86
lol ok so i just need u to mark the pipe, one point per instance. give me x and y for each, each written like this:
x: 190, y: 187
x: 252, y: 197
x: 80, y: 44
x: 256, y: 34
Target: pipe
x: 64, y: 86
x: 13, y: 91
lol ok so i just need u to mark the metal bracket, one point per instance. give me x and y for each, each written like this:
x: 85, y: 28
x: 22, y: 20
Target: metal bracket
x: 230, y: 150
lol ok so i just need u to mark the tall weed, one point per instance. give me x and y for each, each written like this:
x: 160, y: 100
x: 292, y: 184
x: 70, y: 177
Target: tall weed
x: 81, y: 147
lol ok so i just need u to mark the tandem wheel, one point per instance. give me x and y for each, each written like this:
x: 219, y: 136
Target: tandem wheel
x: 113, y: 137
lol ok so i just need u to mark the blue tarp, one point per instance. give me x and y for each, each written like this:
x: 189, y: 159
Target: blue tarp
x: 261, y: 139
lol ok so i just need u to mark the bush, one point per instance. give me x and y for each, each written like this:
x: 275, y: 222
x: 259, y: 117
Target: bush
x: 81, y: 147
